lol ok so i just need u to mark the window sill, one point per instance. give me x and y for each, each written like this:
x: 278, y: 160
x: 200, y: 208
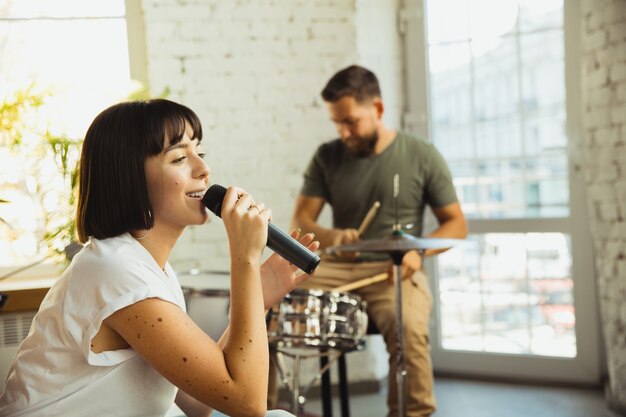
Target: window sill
x: 26, y: 289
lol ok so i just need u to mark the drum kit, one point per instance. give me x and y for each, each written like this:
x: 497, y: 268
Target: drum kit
x: 335, y: 322
x: 314, y: 323
x: 319, y: 323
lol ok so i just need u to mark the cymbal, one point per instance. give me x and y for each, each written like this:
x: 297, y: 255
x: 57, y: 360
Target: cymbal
x: 401, y: 243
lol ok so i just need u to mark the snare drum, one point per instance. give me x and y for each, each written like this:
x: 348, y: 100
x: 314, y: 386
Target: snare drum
x: 318, y: 319
x: 207, y: 295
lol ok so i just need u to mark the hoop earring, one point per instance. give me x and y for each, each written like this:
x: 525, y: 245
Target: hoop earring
x: 141, y: 237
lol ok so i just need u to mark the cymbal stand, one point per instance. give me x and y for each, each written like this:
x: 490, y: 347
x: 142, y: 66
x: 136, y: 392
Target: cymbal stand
x: 400, y: 365
x: 291, y: 380
x: 401, y: 372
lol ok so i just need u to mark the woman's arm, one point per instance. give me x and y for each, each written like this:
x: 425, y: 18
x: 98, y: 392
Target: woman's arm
x: 178, y: 349
x: 189, y: 405
x: 232, y: 376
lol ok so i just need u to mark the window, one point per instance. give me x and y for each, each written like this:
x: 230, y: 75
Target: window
x: 497, y: 101
x: 68, y: 59
x: 495, y: 85
x: 497, y: 93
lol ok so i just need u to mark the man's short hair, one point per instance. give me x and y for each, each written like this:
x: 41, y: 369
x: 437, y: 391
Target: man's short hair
x: 113, y: 193
x: 353, y: 81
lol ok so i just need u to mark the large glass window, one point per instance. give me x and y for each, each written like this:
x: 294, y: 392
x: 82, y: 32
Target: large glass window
x: 497, y: 102
x: 509, y: 293
x: 498, y: 115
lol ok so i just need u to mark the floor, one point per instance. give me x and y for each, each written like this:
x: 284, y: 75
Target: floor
x: 467, y: 398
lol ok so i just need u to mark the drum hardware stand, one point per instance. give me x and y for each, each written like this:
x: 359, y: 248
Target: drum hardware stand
x: 396, y: 246
x: 292, y: 381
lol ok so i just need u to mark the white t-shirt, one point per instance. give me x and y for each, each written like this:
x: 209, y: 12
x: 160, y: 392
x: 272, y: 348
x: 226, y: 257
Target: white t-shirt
x: 55, y: 373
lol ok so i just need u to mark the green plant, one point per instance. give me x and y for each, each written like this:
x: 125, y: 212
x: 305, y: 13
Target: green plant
x: 12, y: 111
x: 12, y: 125
x: 60, y: 224
x: 18, y: 134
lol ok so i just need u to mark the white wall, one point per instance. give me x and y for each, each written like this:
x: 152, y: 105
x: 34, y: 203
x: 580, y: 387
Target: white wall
x: 603, y: 40
x: 379, y: 47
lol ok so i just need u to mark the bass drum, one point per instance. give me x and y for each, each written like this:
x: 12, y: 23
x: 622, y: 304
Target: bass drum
x: 207, y: 295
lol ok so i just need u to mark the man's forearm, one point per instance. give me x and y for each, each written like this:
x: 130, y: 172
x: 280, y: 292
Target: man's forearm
x: 455, y: 228
x: 322, y: 234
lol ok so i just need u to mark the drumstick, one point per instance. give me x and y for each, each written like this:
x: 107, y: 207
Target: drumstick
x: 362, y: 283
x: 369, y: 217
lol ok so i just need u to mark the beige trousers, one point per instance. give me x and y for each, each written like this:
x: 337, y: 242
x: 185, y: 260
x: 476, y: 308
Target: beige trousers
x: 380, y: 298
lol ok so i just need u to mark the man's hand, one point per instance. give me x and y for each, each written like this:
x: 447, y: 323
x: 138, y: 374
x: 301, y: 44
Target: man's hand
x: 344, y: 236
x: 411, y: 262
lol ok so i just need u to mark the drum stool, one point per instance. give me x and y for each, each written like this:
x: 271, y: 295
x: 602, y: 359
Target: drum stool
x: 344, y: 395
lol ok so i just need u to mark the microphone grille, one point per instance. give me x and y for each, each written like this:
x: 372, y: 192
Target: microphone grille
x: 213, y: 199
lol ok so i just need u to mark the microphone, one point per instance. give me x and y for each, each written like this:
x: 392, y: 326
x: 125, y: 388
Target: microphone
x: 277, y: 240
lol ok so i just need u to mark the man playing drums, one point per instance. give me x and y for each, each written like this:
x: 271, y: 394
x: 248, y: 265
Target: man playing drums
x: 355, y: 173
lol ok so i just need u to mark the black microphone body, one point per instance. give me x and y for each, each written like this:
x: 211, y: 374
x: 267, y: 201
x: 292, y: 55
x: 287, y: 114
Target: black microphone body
x: 277, y: 240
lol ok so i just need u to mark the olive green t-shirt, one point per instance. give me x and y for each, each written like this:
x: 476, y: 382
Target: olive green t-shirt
x: 351, y: 185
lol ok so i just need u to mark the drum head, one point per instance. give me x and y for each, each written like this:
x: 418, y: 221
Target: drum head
x: 318, y: 319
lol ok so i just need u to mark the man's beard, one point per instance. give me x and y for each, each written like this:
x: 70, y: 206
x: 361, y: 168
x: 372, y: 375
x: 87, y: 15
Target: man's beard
x: 360, y: 146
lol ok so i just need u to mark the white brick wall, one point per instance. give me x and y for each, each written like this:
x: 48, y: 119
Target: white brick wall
x: 603, y: 37
x: 380, y: 49
x: 253, y: 71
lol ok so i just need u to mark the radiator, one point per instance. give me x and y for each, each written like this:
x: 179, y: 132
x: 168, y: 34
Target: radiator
x: 13, y: 329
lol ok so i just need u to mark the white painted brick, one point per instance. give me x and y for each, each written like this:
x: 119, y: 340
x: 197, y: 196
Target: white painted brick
x: 178, y: 46
x: 617, y: 32
x: 615, y: 12
x: 597, y: 118
x: 607, y: 136
x: 611, y: 55
x: 621, y: 93
x: 597, y: 78
x: 601, y: 97
x: 618, y: 114
x: 620, y: 192
x: 199, y: 31
x: 592, y: 20
x: 617, y: 72
x: 609, y: 212
x: 599, y: 191
x: 182, y: 13
x: 166, y: 29
x: 327, y: 29
x: 608, y: 171
x: 595, y: 40
x: 165, y: 64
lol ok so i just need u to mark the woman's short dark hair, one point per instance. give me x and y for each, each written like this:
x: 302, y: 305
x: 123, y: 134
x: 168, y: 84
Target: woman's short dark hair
x: 354, y: 81
x: 112, y: 194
